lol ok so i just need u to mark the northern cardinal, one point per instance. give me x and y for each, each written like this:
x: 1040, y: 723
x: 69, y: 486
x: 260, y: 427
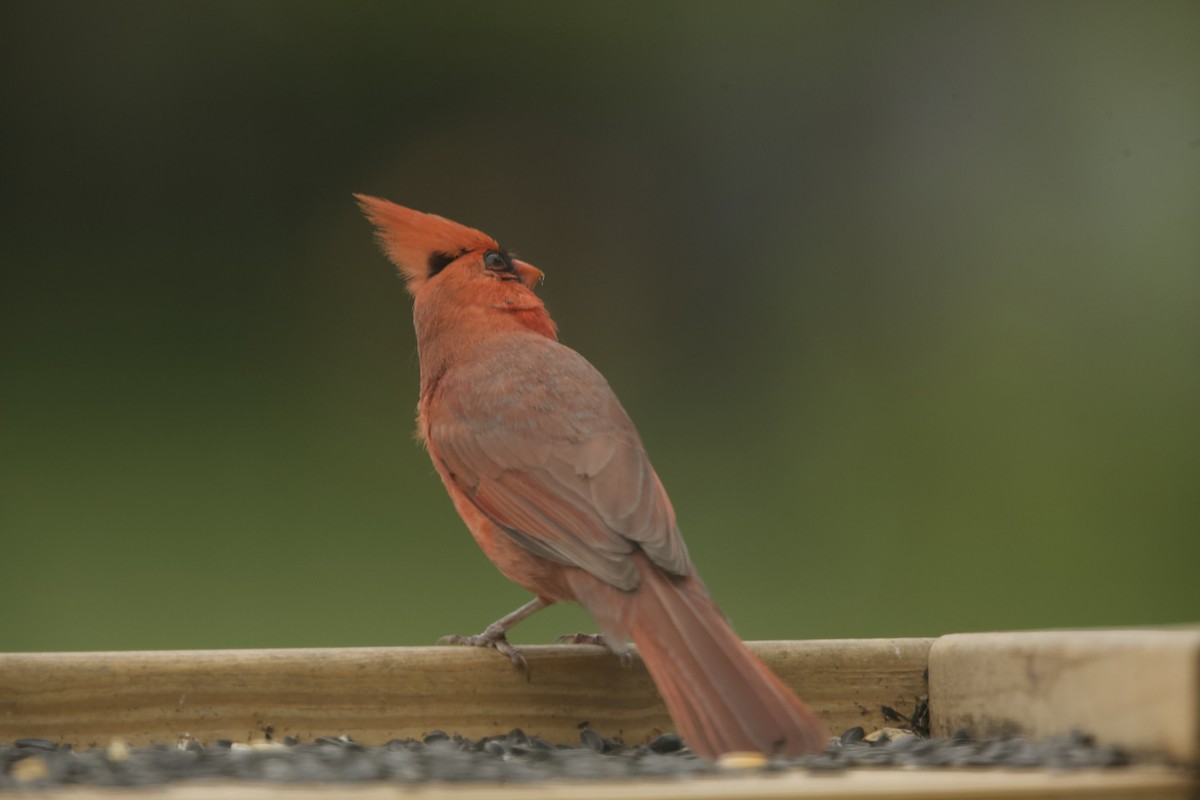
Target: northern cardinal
x: 549, y: 473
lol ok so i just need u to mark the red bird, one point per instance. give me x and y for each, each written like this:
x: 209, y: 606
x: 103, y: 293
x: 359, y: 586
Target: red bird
x: 550, y: 475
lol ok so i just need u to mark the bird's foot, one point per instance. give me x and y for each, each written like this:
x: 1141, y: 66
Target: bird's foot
x: 495, y: 635
x: 622, y: 652
x: 491, y: 638
x: 582, y: 638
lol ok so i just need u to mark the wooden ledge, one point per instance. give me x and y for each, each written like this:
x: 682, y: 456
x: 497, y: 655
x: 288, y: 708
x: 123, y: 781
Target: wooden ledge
x: 377, y: 694
x: 1136, y: 688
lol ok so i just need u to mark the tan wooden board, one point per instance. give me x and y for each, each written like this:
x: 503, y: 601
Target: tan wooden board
x: 1136, y: 688
x: 377, y: 694
x: 1139, y: 783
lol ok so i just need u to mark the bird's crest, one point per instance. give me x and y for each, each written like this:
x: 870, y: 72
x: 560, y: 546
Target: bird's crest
x: 420, y: 244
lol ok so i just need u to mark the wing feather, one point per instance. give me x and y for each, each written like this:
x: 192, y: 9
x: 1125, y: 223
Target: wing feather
x: 547, y: 453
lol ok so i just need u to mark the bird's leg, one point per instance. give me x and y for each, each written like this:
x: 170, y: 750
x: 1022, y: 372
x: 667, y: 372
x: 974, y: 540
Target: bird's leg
x: 495, y: 635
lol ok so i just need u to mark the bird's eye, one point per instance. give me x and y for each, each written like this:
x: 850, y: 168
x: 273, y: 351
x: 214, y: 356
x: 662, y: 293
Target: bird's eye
x: 497, y: 261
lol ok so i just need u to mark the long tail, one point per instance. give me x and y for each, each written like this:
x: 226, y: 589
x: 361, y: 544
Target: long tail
x: 721, y: 697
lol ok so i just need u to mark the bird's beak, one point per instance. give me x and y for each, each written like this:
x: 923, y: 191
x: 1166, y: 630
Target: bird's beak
x: 530, y: 275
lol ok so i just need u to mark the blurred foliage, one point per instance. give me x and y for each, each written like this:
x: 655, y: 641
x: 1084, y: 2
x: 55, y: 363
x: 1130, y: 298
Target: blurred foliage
x: 903, y: 297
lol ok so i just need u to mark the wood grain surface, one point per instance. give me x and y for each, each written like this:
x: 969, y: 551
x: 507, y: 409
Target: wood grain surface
x: 377, y: 694
x: 1136, y: 688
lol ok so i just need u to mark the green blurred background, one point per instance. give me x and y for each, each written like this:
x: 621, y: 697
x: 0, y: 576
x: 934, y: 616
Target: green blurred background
x: 904, y: 298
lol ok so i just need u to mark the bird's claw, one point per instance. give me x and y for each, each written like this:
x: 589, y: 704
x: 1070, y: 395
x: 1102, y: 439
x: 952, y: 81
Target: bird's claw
x: 498, y: 641
x: 622, y: 653
x: 582, y: 638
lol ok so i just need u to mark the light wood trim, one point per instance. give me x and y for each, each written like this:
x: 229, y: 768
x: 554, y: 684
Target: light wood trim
x: 1136, y: 688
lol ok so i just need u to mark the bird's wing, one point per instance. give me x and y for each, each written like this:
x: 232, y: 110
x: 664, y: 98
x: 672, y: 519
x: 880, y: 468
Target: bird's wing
x: 536, y: 438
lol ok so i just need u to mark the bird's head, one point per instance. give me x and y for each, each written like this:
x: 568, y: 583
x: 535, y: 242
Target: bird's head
x: 427, y: 247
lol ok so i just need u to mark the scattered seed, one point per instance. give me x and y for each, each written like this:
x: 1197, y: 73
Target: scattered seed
x: 35, y: 744
x: 515, y: 757
x: 592, y: 740
x: 737, y: 761
x: 852, y: 735
x: 118, y: 750
x: 920, y: 718
x: 667, y: 743
x: 265, y: 744
x: 32, y: 768
x: 888, y: 735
